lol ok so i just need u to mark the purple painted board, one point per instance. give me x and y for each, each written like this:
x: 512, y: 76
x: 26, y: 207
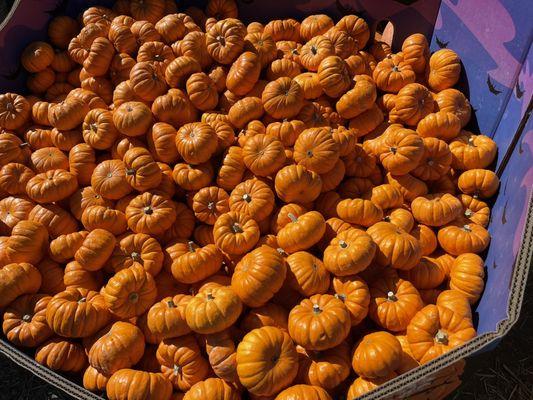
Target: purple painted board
x: 506, y: 229
x: 493, y: 39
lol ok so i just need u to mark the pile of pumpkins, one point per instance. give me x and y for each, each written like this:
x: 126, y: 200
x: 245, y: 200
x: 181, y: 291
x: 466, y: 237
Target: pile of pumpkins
x: 195, y: 208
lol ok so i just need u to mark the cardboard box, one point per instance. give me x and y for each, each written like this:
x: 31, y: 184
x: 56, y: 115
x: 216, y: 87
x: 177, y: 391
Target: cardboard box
x: 493, y: 39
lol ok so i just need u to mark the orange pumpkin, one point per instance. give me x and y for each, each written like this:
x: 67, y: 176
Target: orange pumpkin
x: 301, y: 392
x: 24, y: 321
x: 354, y: 293
x: 213, y: 311
x: 263, y: 154
x: 142, y: 383
x: 316, y: 150
x: 459, y: 238
x: 415, y: 50
x: 435, y: 330
x: 86, y: 308
x: 350, y: 252
x: 320, y: 322
x: 436, y: 209
x: 377, y: 355
x: 394, y: 302
x: 190, y: 263
x: 395, y: 247
x: 225, y: 40
x: 258, y: 276
x: 467, y: 276
x: 393, y: 73
x: 212, y: 388
x: 132, y: 118
x: 333, y: 76
x: 302, y: 232
x: 258, y: 346
x: 307, y: 274
x: 235, y: 233
x: 130, y: 292
x: 61, y: 355
x: 253, y: 198
x: 444, y: 69
x: 412, y: 103
x: 95, y: 250
x: 150, y: 213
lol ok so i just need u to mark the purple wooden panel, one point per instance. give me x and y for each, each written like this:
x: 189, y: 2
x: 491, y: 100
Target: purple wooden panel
x: 506, y: 229
x: 492, y: 37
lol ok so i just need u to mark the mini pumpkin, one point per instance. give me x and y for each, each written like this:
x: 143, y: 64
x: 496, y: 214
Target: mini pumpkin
x: 77, y: 313
x: 444, y: 69
x: 263, y: 154
x: 435, y: 330
x: 354, y: 293
x: 395, y: 247
x: 350, y: 252
x: 377, y: 355
x: 258, y: 346
x: 302, y: 232
x: 479, y: 183
x: 307, y: 274
x: 436, y: 209
x: 320, y: 322
x: 130, y: 292
x: 459, y: 238
x: 190, y: 263
x: 24, y: 321
x: 258, y: 276
x: 235, y: 233
x: 316, y: 150
x: 213, y: 311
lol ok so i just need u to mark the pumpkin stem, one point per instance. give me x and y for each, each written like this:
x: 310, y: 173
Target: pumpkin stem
x: 340, y: 296
x: 171, y: 304
x: 393, y: 149
x: 467, y: 228
x: 93, y: 127
x: 386, y: 218
x: 133, y: 297
x: 25, y: 144
x: 246, y: 197
x: 236, y: 228
x: 316, y: 309
x: 471, y: 141
x: 26, y: 318
x: 130, y: 172
x: 309, y: 153
x: 82, y: 300
x: 469, y: 213
x: 343, y: 244
x: 281, y: 251
x: 148, y: 210
x: 395, y: 69
x: 221, y: 40
x: 177, y: 369
x: 135, y: 256
x: 191, y: 246
x: 441, y: 337
x: 210, y: 205
x: 314, y: 50
x: 210, y: 296
x: 10, y: 106
x: 391, y: 296
x: 293, y: 217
